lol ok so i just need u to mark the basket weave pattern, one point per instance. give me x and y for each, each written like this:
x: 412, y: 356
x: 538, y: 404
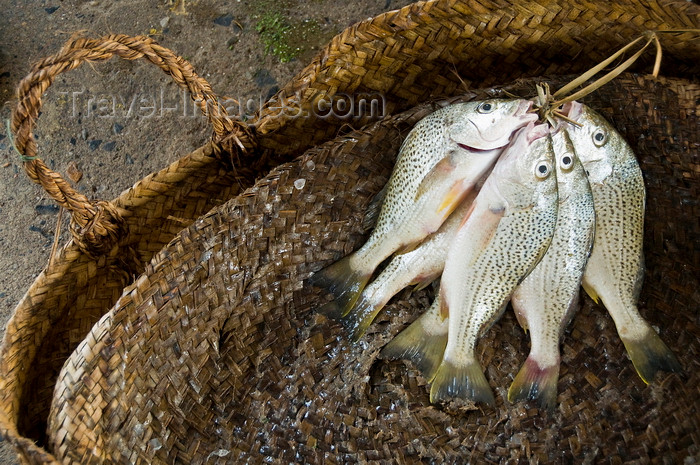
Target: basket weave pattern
x: 436, y: 48
x: 215, y: 353
x: 408, y: 55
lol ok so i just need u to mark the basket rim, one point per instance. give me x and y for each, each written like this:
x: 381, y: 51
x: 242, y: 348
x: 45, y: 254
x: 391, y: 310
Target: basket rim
x: 339, y: 46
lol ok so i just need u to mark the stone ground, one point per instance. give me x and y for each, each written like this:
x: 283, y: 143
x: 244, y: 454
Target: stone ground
x: 245, y: 49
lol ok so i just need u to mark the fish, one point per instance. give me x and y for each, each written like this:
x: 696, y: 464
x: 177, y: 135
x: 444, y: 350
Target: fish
x: 452, y: 148
x: 422, y: 342
x: 501, y: 240
x: 615, y: 268
x: 547, y: 298
x: 419, y: 267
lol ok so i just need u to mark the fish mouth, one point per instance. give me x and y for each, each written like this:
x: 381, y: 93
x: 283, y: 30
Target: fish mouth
x: 572, y: 110
x: 521, y: 114
x: 492, y: 144
x: 526, y: 111
x: 535, y: 131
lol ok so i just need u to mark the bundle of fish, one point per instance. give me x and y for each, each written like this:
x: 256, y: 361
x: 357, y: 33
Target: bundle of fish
x: 501, y: 208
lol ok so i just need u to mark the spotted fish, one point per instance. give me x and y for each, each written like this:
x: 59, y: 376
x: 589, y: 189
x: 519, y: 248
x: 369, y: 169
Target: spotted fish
x: 420, y: 266
x: 547, y: 298
x: 507, y: 232
x: 615, y: 269
x: 449, y: 150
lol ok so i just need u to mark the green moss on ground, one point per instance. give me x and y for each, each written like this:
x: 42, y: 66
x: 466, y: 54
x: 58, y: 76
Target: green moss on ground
x: 284, y: 37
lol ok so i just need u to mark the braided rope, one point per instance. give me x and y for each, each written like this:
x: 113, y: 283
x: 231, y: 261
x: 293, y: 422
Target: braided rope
x: 96, y: 227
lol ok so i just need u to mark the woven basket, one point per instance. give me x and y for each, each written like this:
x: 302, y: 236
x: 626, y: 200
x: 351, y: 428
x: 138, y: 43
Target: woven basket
x: 215, y: 354
x: 409, y: 55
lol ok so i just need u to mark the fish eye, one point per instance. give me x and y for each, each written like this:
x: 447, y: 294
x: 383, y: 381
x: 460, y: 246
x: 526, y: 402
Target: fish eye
x: 485, y: 107
x: 566, y: 161
x: 599, y: 137
x: 543, y: 169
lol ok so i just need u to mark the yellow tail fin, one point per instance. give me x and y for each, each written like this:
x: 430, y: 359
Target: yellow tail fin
x: 535, y: 383
x: 417, y: 345
x: 465, y: 382
x: 649, y: 354
x: 345, y: 283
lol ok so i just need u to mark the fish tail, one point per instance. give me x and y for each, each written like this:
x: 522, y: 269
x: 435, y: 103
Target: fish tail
x: 415, y: 344
x: 467, y: 382
x: 331, y: 310
x: 361, y: 316
x: 649, y: 354
x: 344, y: 283
x: 535, y: 383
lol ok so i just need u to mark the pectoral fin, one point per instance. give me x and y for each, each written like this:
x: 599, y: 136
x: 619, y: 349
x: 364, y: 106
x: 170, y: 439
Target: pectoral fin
x: 435, y: 181
x: 452, y: 199
x: 484, y: 224
x: 436, y: 175
x: 590, y: 291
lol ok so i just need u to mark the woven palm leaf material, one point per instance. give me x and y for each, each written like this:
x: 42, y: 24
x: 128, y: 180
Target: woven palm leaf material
x: 111, y: 241
x: 68, y: 298
x: 433, y: 48
x: 216, y: 353
x: 406, y: 56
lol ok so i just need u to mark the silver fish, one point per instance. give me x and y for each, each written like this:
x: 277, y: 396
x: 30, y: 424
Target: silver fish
x: 458, y: 143
x: 500, y: 242
x: 547, y: 298
x: 421, y: 266
x: 615, y: 269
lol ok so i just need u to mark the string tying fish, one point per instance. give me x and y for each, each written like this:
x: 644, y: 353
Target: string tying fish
x: 549, y: 105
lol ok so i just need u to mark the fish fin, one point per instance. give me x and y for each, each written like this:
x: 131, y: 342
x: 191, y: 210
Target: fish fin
x: 455, y: 195
x: 466, y: 216
x: 649, y: 354
x: 436, y: 174
x: 591, y: 292
x: 485, y: 224
x: 408, y: 248
x: 423, y: 283
x: 535, y: 383
x: 343, y: 282
x: 518, y: 305
x: 467, y: 382
x: 417, y: 345
x: 360, y: 317
x: 331, y: 310
x: 444, y: 309
x: 374, y: 208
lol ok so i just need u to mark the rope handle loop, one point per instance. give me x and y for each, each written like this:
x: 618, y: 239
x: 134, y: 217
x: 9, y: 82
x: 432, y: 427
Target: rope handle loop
x: 97, y: 226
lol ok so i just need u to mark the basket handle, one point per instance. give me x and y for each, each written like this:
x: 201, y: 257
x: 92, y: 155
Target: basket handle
x: 97, y: 226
